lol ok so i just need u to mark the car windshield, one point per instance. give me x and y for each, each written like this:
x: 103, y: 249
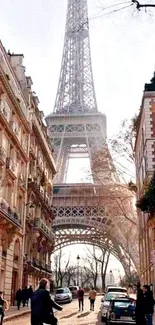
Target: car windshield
x: 73, y: 288
x: 124, y: 304
x: 62, y: 291
x: 111, y: 295
x: 117, y: 290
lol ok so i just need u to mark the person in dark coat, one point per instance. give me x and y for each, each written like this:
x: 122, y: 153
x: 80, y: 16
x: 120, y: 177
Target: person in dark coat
x: 42, y: 305
x: 80, y: 295
x: 19, y: 297
x: 29, y: 294
x: 25, y: 296
x: 139, y: 312
x: 148, y: 304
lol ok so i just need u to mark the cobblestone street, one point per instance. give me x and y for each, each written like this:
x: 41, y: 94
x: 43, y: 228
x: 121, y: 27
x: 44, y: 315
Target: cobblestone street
x: 70, y: 315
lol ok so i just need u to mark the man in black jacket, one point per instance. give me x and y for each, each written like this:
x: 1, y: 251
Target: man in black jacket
x: 42, y: 306
x: 148, y: 304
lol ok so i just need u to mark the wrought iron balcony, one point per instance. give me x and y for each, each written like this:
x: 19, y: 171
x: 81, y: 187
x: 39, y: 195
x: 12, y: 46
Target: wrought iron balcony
x: 11, y: 166
x: 46, y: 231
x: 3, y: 155
x: 40, y: 192
x: 21, y: 181
x: 9, y: 214
x: 40, y: 265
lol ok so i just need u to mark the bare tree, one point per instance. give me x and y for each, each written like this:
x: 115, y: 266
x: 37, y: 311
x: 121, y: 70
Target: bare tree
x: 87, y: 277
x: 121, y: 6
x: 70, y: 275
x: 60, y: 269
x: 141, y: 5
x: 98, y: 260
x: 93, y: 265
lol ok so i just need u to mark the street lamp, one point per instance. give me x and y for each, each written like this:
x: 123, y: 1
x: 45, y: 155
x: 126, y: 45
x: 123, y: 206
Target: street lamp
x: 78, y: 259
x: 111, y: 277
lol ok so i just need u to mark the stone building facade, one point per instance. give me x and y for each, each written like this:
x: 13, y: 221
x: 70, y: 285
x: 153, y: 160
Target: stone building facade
x: 25, y: 228
x: 145, y: 166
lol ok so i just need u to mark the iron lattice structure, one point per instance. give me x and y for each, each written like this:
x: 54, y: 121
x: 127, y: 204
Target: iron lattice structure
x: 76, y: 89
x: 77, y: 129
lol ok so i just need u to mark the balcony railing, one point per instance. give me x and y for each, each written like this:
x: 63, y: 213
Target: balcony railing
x: 10, y: 165
x: 15, y: 127
x: 5, y: 110
x: 3, y: 155
x: 40, y: 225
x: 21, y: 180
x: 9, y: 213
x: 39, y: 265
x: 41, y: 193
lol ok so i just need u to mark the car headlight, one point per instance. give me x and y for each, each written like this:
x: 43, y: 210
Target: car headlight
x: 112, y: 316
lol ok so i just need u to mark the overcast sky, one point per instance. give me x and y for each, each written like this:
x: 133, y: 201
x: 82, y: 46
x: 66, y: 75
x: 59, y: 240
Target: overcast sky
x: 122, y: 47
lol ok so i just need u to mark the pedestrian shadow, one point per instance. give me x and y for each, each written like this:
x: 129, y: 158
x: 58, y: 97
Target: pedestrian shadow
x: 83, y: 314
x: 70, y: 315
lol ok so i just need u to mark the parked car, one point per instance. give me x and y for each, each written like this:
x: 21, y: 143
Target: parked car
x: 121, y: 311
x: 74, y: 290
x: 116, y: 289
x: 63, y: 295
x: 106, y: 303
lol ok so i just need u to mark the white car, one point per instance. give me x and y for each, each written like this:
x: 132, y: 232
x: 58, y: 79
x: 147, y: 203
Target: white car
x: 63, y: 295
x: 116, y: 289
x: 106, y: 302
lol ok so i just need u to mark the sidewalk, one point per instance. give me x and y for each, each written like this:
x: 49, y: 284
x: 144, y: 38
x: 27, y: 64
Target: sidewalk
x: 14, y: 313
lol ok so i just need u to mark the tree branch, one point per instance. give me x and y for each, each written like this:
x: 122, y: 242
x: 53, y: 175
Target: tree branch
x: 139, y: 5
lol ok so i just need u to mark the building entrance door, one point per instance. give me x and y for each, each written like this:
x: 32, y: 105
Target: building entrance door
x: 14, y: 286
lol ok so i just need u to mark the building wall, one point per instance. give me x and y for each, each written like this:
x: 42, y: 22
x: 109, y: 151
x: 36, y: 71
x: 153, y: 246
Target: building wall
x: 23, y: 143
x: 145, y: 165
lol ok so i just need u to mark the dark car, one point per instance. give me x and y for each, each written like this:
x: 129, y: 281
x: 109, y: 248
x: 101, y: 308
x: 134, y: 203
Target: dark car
x: 74, y: 290
x: 106, y: 303
x: 121, y: 311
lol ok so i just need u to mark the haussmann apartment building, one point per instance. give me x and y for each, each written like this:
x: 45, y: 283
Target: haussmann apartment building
x: 27, y: 169
x: 145, y: 167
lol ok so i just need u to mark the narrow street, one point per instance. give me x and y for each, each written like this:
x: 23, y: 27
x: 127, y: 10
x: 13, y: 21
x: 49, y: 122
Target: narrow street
x: 70, y: 315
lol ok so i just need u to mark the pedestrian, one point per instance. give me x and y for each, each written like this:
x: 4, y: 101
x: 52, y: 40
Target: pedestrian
x: 19, y: 298
x: 25, y: 296
x: 3, y: 307
x: 29, y: 294
x: 42, y: 305
x: 148, y: 304
x: 139, y: 312
x: 92, y: 297
x: 80, y: 295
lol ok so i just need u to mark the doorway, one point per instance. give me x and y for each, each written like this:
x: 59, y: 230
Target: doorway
x: 14, y: 286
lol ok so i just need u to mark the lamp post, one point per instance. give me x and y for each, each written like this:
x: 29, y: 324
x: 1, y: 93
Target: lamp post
x: 111, y: 277
x: 78, y: 260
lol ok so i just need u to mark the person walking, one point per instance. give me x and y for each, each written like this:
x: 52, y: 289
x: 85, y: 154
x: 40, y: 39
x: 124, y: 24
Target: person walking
x: 80, y: 295
x: 25, y: 296
x: 42, y: 305
x: 3, y: 307
x: 19, y: 298
x: 139, y: 312
x: 148, y: 304
x: 92, y: 297
x: 29, y: 294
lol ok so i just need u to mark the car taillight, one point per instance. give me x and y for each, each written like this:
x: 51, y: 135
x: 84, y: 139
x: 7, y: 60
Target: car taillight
x: 112, y: 316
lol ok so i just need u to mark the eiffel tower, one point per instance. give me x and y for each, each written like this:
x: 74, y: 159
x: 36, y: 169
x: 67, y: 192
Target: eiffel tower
x: 77, y: 129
